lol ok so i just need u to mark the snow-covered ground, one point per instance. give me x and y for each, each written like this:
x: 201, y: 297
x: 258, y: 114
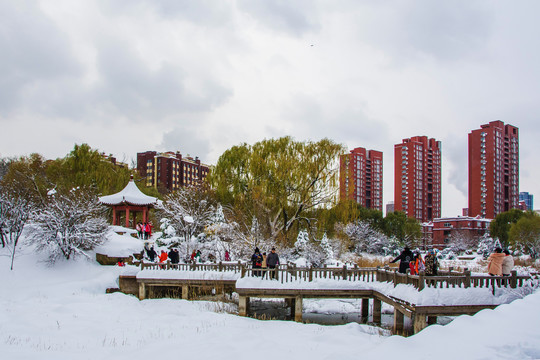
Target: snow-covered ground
x: 62, y: 312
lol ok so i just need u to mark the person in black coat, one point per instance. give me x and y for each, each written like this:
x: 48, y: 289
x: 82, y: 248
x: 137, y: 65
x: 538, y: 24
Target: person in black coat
x: 151, y: 253
x: 174, y: 256
x: 272, y: 260
x: 256, y: 261
x: 405, y: 258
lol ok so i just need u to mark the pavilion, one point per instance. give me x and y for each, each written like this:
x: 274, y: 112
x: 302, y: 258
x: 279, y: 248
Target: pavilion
x: 130, y: 201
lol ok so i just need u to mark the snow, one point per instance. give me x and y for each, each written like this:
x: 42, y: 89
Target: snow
x: 130, y: 194
x: 188, y: 275
x: 62, y: 312
x: 120, y: 245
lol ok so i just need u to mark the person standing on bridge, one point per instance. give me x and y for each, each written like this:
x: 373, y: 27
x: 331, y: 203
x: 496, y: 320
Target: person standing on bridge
x: 405, y: 258
x: 272, y: 260
x: 431, y: 263
x: 256, y: 261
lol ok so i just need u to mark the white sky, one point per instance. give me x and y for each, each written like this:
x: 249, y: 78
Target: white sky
x: 202, y: 76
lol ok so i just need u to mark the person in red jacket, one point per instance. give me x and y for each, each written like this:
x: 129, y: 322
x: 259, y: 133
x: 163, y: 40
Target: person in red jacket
x: 163, y: 256
x: 149, y: 227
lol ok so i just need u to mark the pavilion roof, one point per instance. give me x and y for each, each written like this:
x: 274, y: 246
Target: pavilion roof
x: 129, y: 195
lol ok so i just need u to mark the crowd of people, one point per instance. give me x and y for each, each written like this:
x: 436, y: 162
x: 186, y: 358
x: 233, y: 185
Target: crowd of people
x: 500, y: 263
x: 174, y: 255
x: 144, y: 230
x: 264, y: 261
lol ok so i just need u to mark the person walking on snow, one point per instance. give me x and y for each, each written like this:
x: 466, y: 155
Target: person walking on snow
x: 405, y: 258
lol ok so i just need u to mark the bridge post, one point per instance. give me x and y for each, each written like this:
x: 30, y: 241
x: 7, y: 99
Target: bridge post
x: 421, y: 280
x: 398, y: 322
x: 185, y: 291
x: 419, y: 322
x: 220, y: 266
x: 344, y: 272
x: 513, y: 279
x: 377, y: 311
x: 142, y: 291
x: 298, y: 309
x: 243, y: 305
x: 365, y: 310
x: 467, y: 280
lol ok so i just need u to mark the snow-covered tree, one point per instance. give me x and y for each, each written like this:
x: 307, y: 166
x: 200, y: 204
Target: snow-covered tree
x: 460, y: 242
x: 302, y: 241
x: 486, y: 245
x: 167, y: 230
x: 365, y: 238
x: 308, y: 251
x: 327, y: 248
x: 69, y: 224
x: 188, y: 211
x: 15, y: 210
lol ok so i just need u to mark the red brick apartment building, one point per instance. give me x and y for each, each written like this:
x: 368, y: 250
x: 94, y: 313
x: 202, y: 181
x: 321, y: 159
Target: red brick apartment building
x: 361, y: 177
x: 417, y: 178
x: 441, y: 231
x: 170, y: 170
x: 493, y: 169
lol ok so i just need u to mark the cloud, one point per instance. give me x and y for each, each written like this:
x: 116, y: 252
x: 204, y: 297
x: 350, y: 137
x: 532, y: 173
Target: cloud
x: 293, y: 18
x: 33, y: 51
x: 132, y: 89
x: 410, y: 30
x: 188, y: 139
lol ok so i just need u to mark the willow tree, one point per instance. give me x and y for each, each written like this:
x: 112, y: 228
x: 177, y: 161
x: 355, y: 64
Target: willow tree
x: 279, y: 179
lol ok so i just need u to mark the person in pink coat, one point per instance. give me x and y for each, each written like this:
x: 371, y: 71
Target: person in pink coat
x: 495, y: 261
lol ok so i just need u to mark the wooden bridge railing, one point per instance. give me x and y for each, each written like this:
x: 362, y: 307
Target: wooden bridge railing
x: 236, y: 267
x: 288, y: 273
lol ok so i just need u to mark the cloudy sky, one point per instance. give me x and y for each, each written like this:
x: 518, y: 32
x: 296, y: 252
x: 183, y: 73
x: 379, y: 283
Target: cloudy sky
x: 201, y: 76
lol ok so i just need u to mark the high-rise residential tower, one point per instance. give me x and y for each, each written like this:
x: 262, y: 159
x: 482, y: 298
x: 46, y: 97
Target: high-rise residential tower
x: 417, y: 178
x: 528, y: 199
x: 493, y: 169
x: 361, y: 177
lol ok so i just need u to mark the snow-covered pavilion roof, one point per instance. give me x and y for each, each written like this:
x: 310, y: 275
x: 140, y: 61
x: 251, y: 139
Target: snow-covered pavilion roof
x: 129, y: 195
